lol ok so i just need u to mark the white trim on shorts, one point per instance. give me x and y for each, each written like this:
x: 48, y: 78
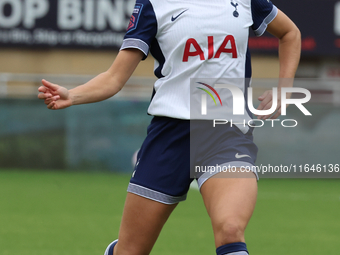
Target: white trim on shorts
x: 168, y: 199
x: 154, y: 195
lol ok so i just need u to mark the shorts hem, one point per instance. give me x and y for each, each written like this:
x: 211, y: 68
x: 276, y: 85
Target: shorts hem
x: 155, y: 195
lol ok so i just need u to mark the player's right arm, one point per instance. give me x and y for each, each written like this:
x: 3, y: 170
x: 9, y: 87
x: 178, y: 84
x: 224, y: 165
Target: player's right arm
x: 103, y: 86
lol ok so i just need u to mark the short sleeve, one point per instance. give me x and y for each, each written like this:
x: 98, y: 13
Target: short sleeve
x: 263, y: 12
x: 142, y: 28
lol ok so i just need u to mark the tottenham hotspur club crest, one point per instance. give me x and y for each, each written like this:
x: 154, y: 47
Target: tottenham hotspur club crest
x: 235, y: 13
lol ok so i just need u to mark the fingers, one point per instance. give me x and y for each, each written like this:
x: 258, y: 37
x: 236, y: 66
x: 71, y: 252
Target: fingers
x: 56, y: 105
x: 51, y: 99
x: 54, y: 96
x: 48, y: 95
x: 265, y: 99
x: 277, y: 114
x: 45, y: 92
x: 260, y: 98
x: 266, y: 103
x: 44, y: 95
x: 268, y: 106
x: 48, y: 92
x: 52, y: 105
x: 49, y: 85
x: 42, y: 89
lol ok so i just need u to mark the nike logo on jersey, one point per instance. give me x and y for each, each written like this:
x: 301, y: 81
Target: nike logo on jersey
x: 174, y: 18
x: 242, y: 156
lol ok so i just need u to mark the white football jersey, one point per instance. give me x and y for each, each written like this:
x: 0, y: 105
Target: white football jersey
x: 195, y: 39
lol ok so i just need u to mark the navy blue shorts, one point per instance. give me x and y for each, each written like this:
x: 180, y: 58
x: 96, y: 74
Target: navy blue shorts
x: 177, y: 151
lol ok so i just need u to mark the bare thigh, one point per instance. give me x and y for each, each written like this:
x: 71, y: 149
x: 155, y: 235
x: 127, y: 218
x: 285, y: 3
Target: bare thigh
x: 142, y: 221
x: 230, y: 202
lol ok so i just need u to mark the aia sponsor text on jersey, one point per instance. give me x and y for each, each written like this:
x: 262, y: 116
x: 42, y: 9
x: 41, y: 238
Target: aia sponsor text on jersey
x: 193, y: 49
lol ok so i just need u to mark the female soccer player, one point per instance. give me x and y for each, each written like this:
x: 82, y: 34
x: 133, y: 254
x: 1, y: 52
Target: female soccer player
x: 188, y: 39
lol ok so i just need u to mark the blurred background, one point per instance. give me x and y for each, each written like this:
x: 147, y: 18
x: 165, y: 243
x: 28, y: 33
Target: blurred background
x: 70, y: 41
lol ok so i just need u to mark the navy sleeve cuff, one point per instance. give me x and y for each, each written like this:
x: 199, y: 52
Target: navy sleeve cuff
x: 262, y: 28
x: 131, y: 43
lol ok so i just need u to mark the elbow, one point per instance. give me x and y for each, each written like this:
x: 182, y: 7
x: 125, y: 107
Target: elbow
x: 118, y: 84
x: 292, y: 34
x: 112, y: 84
x: 116, y: 81
x: 296, y: 38
x: 293, y: 37
x: 297, y: 34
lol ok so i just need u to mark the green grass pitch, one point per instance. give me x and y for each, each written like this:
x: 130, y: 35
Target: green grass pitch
x: 57, y: 213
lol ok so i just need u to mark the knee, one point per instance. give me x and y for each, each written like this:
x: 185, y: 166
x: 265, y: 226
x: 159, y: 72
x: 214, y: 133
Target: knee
x: 229, y: 233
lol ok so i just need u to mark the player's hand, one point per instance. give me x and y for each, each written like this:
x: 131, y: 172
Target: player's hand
x: 55, y: 96
x: 266, y: 100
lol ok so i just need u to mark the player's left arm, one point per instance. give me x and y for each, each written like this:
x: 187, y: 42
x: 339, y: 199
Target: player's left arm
x: 289, y: 37
x: 101, y: 87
